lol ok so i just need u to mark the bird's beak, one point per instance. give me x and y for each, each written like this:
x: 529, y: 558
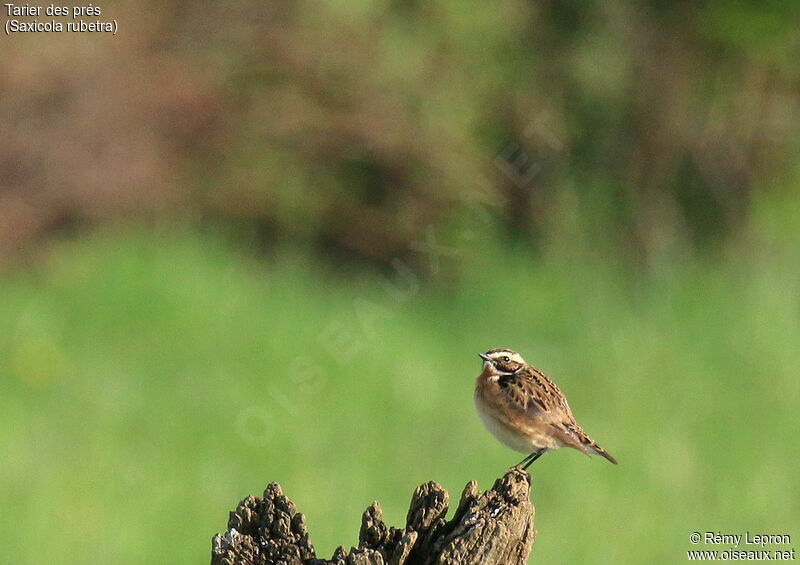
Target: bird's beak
x: 484, y: 357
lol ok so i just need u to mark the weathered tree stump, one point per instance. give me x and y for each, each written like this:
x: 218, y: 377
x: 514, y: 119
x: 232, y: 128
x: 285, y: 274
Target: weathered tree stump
x: 491, y: 528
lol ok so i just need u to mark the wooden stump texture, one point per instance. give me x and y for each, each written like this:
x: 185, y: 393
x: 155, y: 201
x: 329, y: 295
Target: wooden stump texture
x: 491, y: 527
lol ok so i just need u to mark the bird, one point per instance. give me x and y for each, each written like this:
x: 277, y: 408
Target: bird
x: 525, y: 410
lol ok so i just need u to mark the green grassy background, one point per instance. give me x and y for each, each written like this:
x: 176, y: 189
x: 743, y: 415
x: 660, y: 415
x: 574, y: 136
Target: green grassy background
x: 616, y: 187
x: 151, y: 379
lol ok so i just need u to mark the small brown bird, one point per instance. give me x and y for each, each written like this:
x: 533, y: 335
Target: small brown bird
x: 525, y: 410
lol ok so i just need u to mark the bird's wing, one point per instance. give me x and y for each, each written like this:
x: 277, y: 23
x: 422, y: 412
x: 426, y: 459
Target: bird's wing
x: 530, y: 390
x: 533, y: 393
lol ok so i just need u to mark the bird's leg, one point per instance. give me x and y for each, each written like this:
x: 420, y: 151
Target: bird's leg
x: 532, y: 457
x: 519, y: 465
x: 529, y: 459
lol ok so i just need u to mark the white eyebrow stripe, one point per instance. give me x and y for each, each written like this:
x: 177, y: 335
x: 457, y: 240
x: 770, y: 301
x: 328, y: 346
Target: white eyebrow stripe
x: 512, y: 355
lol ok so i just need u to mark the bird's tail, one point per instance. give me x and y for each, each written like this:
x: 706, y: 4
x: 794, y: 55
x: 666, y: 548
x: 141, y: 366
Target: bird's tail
x: 573, y: 435
x: 599, y: 450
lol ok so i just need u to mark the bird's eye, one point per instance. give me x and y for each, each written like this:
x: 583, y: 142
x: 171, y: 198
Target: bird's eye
x: 506, y: 359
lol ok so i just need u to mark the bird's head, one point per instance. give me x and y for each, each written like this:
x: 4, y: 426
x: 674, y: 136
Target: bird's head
x: 501, y: 362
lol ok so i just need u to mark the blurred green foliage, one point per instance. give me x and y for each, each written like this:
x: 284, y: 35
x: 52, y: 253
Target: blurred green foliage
x: 151, y: 380
x: 356, y: 127
x: 610, y: 188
